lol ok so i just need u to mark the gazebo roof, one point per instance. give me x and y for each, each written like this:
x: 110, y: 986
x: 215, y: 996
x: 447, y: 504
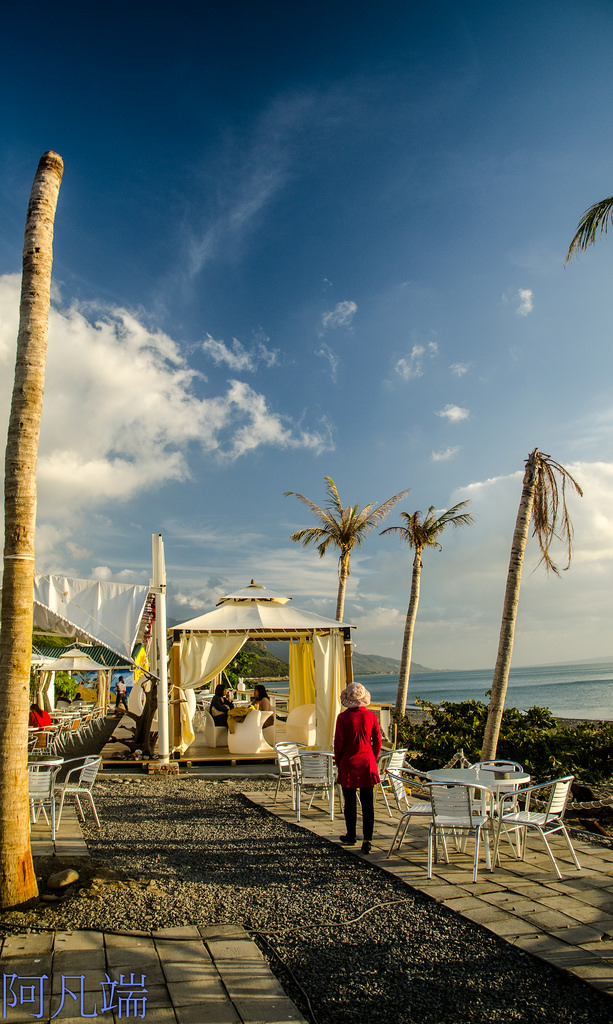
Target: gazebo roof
x: 257, y: 611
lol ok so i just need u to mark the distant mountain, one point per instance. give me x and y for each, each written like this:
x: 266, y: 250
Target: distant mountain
x: 363, y: 664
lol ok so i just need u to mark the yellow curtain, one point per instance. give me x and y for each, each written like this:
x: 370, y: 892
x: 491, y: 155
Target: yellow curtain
x: 301, y: 674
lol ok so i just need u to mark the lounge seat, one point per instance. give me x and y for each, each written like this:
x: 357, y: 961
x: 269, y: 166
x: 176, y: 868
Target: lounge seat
x: 300, y: 725
x: 247, y: 737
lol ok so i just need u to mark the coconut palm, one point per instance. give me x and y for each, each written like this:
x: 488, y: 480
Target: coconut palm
x: 341, y: 528
x: 594, y: 221
x: 420, y: 534
x: 543, y: 501
x: 17, y: 878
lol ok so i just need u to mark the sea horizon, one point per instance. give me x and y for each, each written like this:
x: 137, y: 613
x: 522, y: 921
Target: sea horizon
x: 581, y: 689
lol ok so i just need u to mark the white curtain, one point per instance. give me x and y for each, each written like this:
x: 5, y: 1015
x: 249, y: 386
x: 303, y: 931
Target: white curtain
x: 204, y: 655
x: 329, y: 656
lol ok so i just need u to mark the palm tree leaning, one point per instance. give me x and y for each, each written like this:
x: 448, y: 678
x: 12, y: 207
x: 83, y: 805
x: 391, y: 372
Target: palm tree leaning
x: 17, y: 878
x: 543, y: 501
x: 341, y: 528
x: 419, y: 534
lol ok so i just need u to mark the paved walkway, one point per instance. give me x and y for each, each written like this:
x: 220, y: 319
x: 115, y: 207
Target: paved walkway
x: 214, y: 975
x: 569, y: 923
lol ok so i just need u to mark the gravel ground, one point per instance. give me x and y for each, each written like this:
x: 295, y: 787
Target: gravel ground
x: 186, y: 850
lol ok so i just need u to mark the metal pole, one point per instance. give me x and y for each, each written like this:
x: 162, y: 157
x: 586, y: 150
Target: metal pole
x: 159, y: 588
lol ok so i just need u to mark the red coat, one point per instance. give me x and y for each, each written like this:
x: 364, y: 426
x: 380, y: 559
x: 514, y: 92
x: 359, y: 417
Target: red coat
x: 357, y: 744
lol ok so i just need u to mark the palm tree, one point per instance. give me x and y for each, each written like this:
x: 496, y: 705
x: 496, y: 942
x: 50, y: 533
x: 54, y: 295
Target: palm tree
x: 543, y: 502
x: 341, y: 528
x: 17, y: 878
x: 419, y: 534
x: 593, y: 222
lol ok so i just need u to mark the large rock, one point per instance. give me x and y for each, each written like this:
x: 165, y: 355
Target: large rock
x: 62, y: 878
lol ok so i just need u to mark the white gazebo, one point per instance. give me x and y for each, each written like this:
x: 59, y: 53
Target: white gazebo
x: 320, y: 649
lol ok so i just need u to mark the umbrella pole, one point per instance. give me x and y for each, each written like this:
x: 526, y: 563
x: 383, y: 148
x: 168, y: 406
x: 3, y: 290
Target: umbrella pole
x: 159, y: 587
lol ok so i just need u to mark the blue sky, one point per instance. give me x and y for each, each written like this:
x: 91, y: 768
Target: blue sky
x: 295, y: 241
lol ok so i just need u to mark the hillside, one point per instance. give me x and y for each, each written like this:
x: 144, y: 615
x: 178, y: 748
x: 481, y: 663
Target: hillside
x: 363, y: 664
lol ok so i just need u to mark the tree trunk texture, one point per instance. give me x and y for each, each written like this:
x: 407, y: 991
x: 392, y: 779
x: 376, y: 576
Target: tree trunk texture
x: 509, y: 610
x: 343, y: 576
x: 407, y: 642
x: 17, y: 878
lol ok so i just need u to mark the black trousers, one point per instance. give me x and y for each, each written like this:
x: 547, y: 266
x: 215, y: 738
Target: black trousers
x: 351, y: 811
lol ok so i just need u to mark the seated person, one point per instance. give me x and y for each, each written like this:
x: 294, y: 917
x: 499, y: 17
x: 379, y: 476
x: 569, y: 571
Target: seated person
x: 220, y: 705
x: 262, y: 703
x: 39, y: 718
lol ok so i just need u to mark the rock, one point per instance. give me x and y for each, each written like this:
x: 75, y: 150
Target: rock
x: 50, y: 897
x: 62, y: 878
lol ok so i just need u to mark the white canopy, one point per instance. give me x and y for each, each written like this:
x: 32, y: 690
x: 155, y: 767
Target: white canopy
x: 210, y: 641
x: 95, y: 610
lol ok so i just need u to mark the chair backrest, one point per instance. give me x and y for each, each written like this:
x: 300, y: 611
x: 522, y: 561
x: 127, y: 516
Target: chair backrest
x: 396, y: 759
x: 451, y: 802
x: 498, y: 766
x: 558, y: 798
x: 40, y: 781
x: 89, y: 771
x: 314, y: 767
x: 287, y: 753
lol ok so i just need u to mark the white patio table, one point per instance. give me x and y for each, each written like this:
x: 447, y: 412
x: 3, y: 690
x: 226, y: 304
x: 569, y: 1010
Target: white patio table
x: 481, y: 777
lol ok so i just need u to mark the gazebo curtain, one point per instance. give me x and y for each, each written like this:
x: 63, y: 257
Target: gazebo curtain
x: 330, y: 677
x: 205, y: 655
x: 301, y: 674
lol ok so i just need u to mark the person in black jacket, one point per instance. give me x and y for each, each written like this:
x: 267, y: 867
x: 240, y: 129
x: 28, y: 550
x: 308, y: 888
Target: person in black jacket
x: 220, y: 705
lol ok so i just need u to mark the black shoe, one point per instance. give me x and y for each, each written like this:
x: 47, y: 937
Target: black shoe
x: 348, y: 841
x: 366, y: 846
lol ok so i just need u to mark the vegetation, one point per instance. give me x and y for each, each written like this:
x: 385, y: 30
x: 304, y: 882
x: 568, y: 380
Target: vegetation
x: 543, y: 501
x: 341, y: 528
x: 17, y: 878
x: 533, y: 738
x: 420, y: 534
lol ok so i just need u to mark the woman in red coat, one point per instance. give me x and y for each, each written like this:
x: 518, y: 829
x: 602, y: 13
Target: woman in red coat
x: 357, y: 743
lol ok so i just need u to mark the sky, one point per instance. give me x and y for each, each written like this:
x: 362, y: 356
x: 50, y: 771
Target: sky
x: 298, y: 241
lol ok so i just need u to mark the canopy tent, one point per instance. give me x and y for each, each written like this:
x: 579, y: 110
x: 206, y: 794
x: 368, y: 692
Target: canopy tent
x: 319, y: 667
x: 94, y: 610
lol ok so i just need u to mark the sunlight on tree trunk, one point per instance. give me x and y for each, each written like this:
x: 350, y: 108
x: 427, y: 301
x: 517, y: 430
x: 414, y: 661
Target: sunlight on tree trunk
x: 407, y: 640
x: 17, y: 879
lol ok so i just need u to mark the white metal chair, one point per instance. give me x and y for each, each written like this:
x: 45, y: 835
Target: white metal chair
x: 389, y: 759
x: 41, y: 790
x: 79, y: 782
x: 315, y: 771
x: 287, y: 755
x: 546, y: 823
x: 402, y: 779
x: 498, y: 766
x: 453, y: 815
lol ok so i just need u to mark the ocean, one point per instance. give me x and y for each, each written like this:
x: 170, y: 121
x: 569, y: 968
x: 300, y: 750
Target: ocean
x: 583, y: 690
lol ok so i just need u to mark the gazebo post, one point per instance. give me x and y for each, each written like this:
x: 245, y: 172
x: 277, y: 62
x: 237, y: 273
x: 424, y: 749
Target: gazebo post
x: 348, y: 654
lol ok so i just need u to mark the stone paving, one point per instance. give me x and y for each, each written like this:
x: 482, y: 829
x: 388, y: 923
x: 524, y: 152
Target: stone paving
x: 569, y: 923
x: 189, y: 975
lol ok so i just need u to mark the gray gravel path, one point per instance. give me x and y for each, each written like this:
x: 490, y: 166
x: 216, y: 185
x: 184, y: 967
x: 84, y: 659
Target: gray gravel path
x: 185, y: 850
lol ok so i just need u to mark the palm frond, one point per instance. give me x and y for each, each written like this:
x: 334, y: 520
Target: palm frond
x: 550, y: 514
x: 594, y: 221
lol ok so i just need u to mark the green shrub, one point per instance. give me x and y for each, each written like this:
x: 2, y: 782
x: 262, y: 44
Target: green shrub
x: 532, y: 737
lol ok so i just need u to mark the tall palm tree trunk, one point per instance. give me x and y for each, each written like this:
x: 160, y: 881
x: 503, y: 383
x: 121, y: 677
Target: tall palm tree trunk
x: 509, y: 611
x: 17, y: 878
x: 407, y: 641
x: 343, y: 576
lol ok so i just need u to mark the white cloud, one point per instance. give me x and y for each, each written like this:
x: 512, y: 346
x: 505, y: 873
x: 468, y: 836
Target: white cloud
x: 526, y: 304
x: 325, y: 352
x: 341, y: 316
x: 122, y: 409
x: 459, y: 369
x: 237, y: 357
x: 412, y: 366
x: 454, y: 413
x: 443, y: 456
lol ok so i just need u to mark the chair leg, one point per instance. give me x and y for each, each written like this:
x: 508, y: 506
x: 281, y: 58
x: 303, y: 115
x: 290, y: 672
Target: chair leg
x: 570, y: 847
x: 430, y: 837
x: 91, y: 800
x: 60, y: 809
x: 298, y: 801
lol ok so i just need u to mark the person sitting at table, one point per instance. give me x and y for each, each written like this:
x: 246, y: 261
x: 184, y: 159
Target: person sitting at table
x: 357, y: 745
x: 220, y: 705
x: 39, y: 718
x: 261, y: 701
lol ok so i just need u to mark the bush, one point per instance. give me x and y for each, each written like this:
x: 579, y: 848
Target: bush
x: 532, y: 737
